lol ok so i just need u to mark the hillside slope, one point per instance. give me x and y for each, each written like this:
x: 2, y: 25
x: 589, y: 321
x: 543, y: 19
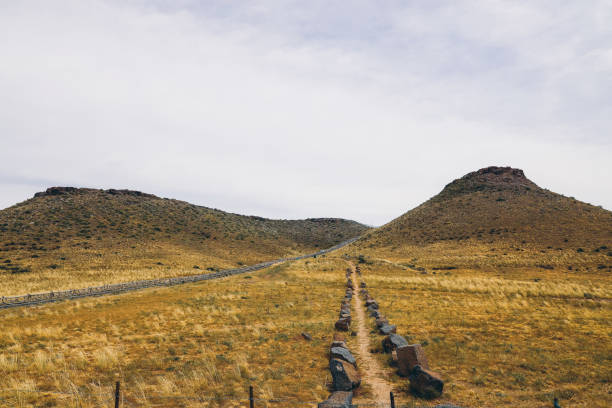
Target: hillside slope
x: 497, y: 209
x: 68, y: 235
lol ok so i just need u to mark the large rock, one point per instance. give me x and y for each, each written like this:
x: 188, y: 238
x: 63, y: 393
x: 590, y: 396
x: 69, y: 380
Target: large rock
x: 393, y: 341
x: 338, y: 399
x: 344, y: 375
x: 381, y: 321
x: 410, y: 356
x: 425, y: 383
x: 343, y: 353
x: 369, y: 301
x: 338, y: 343
x: 343, y: 324
x: 388, y: 329
x: 362, y: 285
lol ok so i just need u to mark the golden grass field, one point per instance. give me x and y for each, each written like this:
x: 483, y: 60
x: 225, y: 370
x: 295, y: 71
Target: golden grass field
x: 498, y: 337
x: 496, y: 340
x: 209, y: 339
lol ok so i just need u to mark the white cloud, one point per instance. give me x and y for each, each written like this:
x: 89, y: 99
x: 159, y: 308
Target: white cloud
x: 303, y: 109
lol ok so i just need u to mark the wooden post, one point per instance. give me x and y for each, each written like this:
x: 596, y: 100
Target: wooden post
x: 117, y: 385
x: 392, y: 399
x: 251, y: 400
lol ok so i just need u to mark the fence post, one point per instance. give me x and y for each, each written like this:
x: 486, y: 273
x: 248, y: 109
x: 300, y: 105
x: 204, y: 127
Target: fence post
x: 251, y: 400
x: 117, y: 385
x: 392, y: 399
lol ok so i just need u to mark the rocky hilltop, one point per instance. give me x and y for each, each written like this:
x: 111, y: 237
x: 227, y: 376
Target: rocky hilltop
x: 498, y: 204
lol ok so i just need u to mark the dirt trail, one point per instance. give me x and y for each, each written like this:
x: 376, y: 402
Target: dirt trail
x: 371, y: 371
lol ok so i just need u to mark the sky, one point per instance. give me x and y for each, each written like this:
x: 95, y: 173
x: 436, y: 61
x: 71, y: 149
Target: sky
x: 296, y: 109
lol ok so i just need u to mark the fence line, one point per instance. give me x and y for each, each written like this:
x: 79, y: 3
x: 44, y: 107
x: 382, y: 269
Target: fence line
x: 7, y: 302
x: 117, y: 396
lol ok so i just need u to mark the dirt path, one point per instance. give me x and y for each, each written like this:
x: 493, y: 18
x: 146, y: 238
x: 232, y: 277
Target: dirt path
x: 371, y: 371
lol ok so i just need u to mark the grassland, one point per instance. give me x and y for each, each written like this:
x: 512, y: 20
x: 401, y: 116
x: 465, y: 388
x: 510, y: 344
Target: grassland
x: 502, y: 340
x: 84, y: 237
x: 209, y: 340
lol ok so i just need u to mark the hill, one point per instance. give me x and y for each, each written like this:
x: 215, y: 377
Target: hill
x: 69, y: 236
x: 498, y: 213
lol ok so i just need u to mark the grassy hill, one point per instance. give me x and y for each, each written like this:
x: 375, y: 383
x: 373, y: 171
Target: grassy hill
x: 66, y: 237
x: 498, y: 216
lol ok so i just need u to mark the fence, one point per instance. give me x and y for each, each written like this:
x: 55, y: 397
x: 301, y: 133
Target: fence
x: 113, y: 289
x: 117, y: 399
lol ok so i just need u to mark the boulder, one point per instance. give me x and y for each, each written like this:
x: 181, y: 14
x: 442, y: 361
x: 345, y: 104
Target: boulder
x: 425, y: 383
x: 369, y: 301
x: 393, y: 341
x: 410, y: 356
x: 343, y: 353
x: 375, y: 314
x: 338, y: 399
x: 344, y: 375
x: 338, y: 343
x: 381, y: 321
x: 343, y: 324
x: 388, y: 329
x: 362, y: 285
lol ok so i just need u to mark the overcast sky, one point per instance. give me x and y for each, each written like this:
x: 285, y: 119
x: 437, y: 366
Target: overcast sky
x: 285, y: 109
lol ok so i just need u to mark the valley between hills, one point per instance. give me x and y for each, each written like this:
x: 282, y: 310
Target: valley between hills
x: 505, y: 285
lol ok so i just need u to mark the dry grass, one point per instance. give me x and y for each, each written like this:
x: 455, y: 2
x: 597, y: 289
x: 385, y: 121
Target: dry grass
x: 210, y: 339
x: 502, y: 341
x: 91, y: 237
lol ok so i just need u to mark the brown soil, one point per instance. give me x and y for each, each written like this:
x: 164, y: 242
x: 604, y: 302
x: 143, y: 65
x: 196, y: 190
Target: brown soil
x: 371, y: 371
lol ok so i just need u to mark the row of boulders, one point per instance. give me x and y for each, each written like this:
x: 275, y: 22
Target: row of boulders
x: 342, y: 364
x: 344, y: 320
x: 410, y: 358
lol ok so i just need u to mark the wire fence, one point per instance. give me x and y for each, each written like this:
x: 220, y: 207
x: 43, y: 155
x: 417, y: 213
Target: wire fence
x: 118, y: 399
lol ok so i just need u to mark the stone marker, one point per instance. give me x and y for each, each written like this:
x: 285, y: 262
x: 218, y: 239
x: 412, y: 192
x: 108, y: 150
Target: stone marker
x: 338, y: 399
x: 338, y: 343
x: 344, y: 375
x: 388, y: 329
x: 343, y: 353
x: 425, y: 383
x: 381, y: 321
x: 392, y: 342
x: 342, y: 324
x: 410, y: 356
